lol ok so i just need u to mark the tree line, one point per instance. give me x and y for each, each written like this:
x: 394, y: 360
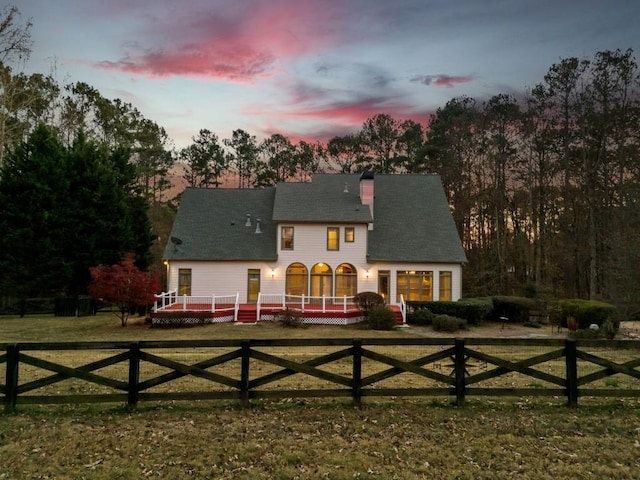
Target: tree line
x: 543, y: 187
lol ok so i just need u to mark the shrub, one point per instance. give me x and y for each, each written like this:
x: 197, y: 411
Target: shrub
x: 367, y: 300
x: 473, y: 310
x: 586, y: 334
x: 516, y: 309
x: 290, y: 319
x: 379, y: 317
x: 585, y: 312
x: 610, y: 327
x: 447, y: 323
x: 421, y: 317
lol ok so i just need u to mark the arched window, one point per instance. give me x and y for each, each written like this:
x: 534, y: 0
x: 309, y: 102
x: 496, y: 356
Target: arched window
x: 321, y: 280
x: 297, y: 280
x: 346, y: 280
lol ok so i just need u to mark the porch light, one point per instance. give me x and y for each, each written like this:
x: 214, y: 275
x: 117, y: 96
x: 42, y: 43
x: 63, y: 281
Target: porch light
x: 367, y: 273
x: 273, y: 273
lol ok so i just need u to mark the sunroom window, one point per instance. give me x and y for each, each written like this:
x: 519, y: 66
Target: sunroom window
x: 414, y: 285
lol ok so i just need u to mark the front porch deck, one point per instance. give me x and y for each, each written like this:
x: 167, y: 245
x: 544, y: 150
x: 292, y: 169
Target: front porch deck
x: 171, y: 309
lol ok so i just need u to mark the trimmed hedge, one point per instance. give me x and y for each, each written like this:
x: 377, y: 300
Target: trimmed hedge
x: 585, y: 312
x: 516, y: 309
x: 447, y: 323
x: 473, y: 310
x: 422, y: 317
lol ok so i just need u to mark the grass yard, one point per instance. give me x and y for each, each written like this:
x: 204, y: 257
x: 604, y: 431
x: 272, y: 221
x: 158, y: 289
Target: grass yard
x: 324, y: 440
x: 106, y: 327
x: 388, y: 438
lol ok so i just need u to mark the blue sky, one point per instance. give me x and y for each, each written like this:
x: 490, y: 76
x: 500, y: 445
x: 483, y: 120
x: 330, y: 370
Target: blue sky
x: 313, y: 69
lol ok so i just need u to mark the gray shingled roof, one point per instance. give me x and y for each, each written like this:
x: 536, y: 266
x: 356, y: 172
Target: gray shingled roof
x: 211, y: 225
x: 412, y: 220
x: 324, y: 200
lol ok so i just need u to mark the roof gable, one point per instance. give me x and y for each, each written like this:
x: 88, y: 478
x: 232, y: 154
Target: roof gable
x: 412, y: 221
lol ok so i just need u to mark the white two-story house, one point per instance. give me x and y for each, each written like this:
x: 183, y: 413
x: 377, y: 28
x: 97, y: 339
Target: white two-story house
x: 334, y: 237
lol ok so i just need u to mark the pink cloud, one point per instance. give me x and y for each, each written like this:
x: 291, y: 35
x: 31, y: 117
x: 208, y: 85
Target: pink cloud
x: 441, y: 80
x: 236, y: 65
x: 236, y: 42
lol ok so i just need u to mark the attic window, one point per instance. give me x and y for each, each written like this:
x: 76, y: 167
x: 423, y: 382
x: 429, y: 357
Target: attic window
x: 286, y: 238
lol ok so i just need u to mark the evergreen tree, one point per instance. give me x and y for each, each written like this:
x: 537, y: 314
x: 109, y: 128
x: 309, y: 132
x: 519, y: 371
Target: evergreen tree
x: 64, y: 210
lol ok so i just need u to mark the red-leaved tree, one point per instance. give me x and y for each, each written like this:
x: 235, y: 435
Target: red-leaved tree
x: 123, y: 285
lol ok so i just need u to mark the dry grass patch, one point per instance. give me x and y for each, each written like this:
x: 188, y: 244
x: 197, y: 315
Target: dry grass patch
x: 312, y: 440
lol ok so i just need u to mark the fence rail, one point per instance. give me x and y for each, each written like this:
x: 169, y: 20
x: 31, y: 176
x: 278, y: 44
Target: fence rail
x: 131, y: 372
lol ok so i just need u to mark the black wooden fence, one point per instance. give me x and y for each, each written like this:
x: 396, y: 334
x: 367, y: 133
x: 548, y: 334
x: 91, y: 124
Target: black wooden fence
x: 132, y: 372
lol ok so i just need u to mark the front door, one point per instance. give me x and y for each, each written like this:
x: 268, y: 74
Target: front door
x: 253, y: 285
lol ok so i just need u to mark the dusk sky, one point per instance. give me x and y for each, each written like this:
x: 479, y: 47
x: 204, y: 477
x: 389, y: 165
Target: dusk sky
x: 313, y: 69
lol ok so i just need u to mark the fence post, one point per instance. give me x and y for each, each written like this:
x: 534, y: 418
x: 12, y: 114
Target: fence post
x: 134, y: 374
x: 11, y: 396
x: 571, y: 359
x: 244, y: 373
x: 459, y: 361
x: 357, y: 372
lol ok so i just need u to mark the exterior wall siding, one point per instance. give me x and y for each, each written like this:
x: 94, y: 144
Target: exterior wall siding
x: 310, y: 247
x: 229, y: 278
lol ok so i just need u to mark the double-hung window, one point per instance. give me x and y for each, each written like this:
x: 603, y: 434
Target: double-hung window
x: 445, y: 286
x: 333, y: 238
x: 349, y: 234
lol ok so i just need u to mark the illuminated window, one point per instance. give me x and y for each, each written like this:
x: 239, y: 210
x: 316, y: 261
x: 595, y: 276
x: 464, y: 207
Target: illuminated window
x: 184, y: 281
x: 333, y: 238
x: 349, y: 234
x: 414, y: 286
x: 286, y: 240
x: 445, y: 286
x: 297, y: 280
x: 321, y: 280
x: 346, y: 280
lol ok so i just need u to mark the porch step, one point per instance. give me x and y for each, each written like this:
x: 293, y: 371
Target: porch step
x: 396, y: 310
x: 247, y: 314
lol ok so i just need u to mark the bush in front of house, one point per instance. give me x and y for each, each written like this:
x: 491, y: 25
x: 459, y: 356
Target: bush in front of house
x: 516, y: 309
x: 585, y: 312
x: 447, y: 323
x: 421, y: 317
x: 367, y: 300
x: 473, y: 310
x: 379, y: 317
x: 290, y: 319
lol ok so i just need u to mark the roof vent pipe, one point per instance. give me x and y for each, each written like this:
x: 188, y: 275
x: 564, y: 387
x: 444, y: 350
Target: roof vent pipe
x: 346, y: 188
x: 248, y: 222
x: 258, y: 229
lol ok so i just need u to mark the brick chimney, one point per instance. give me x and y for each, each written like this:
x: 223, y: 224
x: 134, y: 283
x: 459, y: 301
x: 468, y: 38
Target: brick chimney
x: 366, y: 189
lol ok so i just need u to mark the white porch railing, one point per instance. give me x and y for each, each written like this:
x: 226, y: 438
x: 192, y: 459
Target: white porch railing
x: 403, y: 309
x: 305, y: 303
x: 197, y: 303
